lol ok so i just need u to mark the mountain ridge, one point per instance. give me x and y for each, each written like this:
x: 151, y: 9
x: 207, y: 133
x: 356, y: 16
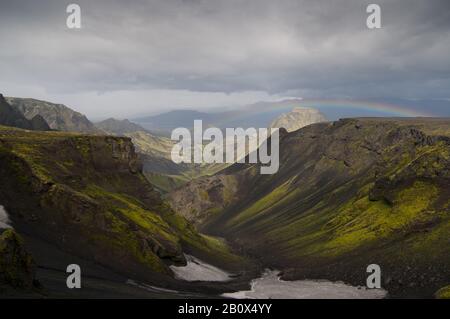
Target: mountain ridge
x: 118, y: 127
x: 58, y: 116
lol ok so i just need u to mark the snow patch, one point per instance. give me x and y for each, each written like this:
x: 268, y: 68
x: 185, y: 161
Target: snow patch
x: 197, y: 270
x: 4, y: 219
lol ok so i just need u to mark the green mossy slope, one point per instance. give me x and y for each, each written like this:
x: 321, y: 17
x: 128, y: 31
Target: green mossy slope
x: 443, y: 293
x: 348, y: 194
x: 87, y: 195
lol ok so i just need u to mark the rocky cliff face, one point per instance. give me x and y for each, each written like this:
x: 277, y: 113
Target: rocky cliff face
x: 201, y: 199
x: 299, y: 117
x: 87, y: 195
x: 58, y: 116
x: 348, y: 194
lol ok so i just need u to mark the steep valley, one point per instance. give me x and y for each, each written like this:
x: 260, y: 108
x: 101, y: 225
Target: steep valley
x: 348, y: 194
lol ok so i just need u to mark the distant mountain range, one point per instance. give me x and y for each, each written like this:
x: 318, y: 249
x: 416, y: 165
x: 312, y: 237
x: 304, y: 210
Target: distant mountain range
x: 168, y: 121
x: 255, y: 115
x: 297, y: 118
x: 261, y: 114
x: 118, y: 127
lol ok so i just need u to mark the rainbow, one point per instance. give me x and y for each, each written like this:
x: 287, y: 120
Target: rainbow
x: 396, y: 110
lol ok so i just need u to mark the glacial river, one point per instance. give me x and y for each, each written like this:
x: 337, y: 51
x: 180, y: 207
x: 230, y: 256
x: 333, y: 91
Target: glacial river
x: 270, y: 286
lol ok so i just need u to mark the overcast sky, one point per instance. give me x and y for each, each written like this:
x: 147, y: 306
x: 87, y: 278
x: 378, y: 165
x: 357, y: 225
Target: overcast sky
x: 139, y: 57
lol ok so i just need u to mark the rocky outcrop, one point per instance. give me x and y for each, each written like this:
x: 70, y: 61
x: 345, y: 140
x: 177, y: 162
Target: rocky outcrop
x: 58, y: 116
x: 11, y: 116
x: 299, y: 117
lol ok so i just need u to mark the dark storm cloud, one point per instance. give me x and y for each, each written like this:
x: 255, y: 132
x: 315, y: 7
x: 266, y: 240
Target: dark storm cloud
x: 305, y: 48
